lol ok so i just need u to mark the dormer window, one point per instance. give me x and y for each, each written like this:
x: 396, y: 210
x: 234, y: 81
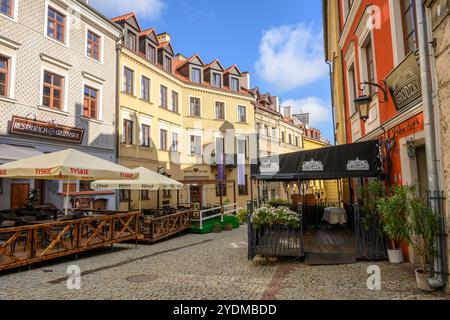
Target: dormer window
x: 131, y: 41
x: 167, y: 64
x: 217, y: 80
x: 234, y: 84
x: 151, y: 53
x: 196, y: 75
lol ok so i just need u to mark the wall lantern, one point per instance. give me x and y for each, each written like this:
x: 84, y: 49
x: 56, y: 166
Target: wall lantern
x: 362, y: 103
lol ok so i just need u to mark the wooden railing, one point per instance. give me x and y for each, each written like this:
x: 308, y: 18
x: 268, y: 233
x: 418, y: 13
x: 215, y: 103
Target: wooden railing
x: 27, y: 245
x: 204, y: 215
x: 155, y: 229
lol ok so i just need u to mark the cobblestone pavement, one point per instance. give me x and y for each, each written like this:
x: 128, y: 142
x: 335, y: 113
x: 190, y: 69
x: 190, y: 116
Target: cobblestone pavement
x: 199, y: 267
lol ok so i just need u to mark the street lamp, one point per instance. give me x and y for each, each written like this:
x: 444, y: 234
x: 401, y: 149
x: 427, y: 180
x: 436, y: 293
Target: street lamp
x: 362, y: 103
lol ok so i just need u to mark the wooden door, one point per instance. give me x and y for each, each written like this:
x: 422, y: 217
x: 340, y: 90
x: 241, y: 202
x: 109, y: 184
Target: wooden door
x: 39, y: 186
x: 19, y: 195
x: 196, y: 195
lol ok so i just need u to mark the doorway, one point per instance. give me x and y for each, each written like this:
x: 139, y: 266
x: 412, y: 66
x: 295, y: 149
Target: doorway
x: 39, y: 196
x: 19, y: 195
x: 196, y: 194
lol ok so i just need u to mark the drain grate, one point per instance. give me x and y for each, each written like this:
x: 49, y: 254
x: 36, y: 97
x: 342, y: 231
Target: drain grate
x: 142, y: 278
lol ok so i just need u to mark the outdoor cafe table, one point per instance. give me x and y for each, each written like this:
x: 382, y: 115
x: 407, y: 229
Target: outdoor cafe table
x: 334, y: 215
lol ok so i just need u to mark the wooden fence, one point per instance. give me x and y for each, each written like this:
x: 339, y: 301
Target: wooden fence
x: 27, y: 245
x: 155, y: 229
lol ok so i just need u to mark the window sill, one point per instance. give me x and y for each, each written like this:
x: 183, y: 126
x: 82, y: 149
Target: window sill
x: 91, y: 120
x: 148, y: 148
x: 64, y: 113
x: 196, y: 117
x: 13, y: 18
x: 166, y: 109
x: 6, y: 99
x: 94, y: 60
x: 128, y: 94
x: 146, y: 101
x: 64, y: 44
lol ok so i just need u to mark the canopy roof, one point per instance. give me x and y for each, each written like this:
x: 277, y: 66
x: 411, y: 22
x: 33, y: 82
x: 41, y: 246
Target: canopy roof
x: 10, y: 153
x: 68, y: 164
x: 148, y: 180
x: 343, y: 161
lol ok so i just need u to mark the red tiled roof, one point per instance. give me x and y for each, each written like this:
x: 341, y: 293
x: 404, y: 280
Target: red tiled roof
x: 164, y: 44
x: 124, y: 17
x: 189, y: 60
x: 147, y: 32
x: 232, y: 67
x: 209, y: 65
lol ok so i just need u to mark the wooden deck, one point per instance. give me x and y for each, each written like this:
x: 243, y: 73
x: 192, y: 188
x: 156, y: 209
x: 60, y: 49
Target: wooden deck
x: 329, y: 240
x: 20, y: 246
x: 156, y: 229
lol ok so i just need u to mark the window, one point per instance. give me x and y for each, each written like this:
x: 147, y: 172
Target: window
x: 93, y: 46
x: 145, y: 195
x: 224, y: 187
x: 296, y: 142
x: 151, y: 53
x: 283, y: 136
x: 128, y: 81
x: 163, y: 97
x: 196, y: 146
x: 146, y: 136
x: 217, y: 80
x: 274, y: 132
x: 196, y: 75
x: 7, y: 7
x: 369, y: 64
x: 163, y: 139
x: 175, y: 101
x: 174, y: 142
x: 243, y: 189
x: 242, y: 114
x: 234, y: 84
x: 220, y: 110
x: 130, y: 42
x: 195, y: 107
x: 124, y: 195
x: 85, y: 185
x: 56, y: 25
x: 127, y: 137
x: 290, y: 138
x: 53, y: 91
x: 145, y: 88
x: 409, y: 25
x: 242, y: 147
x: 353, y: 88
x: 167, y: 65
x: 266, y: 131
x: 4, y: 76
x: 90, y: 105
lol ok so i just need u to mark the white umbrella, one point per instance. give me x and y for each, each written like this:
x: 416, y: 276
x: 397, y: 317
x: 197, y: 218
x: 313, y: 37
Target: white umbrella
x: 148, y: 180
x: 65, y: 165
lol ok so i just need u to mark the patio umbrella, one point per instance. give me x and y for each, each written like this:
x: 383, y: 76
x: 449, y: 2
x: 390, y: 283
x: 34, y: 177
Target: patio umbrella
x: 148, y: 180
x: 65, y: 165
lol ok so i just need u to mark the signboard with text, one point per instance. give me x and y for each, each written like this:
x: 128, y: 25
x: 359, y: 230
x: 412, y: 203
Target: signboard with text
x: 47, y: 130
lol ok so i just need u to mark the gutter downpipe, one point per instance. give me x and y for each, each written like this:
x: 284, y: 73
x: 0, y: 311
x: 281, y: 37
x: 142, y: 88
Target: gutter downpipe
x: 332, y: 100
x: 117, y: 118
x: 430, y: 135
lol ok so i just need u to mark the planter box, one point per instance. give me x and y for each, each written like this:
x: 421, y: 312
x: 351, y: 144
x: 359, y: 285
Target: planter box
x: 275, y: 241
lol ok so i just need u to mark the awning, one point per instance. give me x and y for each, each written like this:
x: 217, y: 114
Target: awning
x: 10, y: 153
x: 343, y: 161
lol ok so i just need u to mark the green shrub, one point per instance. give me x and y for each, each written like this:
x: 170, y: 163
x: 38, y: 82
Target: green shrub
x: 242, y: 215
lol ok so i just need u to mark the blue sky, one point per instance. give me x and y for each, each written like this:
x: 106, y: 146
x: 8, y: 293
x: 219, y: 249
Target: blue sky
x: 278, y: 42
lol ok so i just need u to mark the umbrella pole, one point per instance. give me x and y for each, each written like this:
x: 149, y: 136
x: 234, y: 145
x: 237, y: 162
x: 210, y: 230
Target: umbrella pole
x: 140, y: 200
x: 157, y: 201
x: 67, y: 198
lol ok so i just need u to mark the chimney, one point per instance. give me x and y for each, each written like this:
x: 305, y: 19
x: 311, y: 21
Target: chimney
x: 277, y: 104
x: 164, y: 37
x: 246, y: 80
x: 303, y: 117
x: 180, y: 57
x: 287, y: 112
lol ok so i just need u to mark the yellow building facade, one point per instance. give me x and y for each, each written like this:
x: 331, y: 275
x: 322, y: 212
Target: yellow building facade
x: 175, y: 114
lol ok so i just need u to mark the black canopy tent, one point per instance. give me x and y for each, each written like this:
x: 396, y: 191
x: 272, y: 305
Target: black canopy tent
x: 344, y: 161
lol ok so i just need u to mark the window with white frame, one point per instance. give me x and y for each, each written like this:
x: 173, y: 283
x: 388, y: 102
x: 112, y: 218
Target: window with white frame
x: 195, y: 107
x: 174, y: 142
x: 145, y: 88
x: 353, y: 88
x: 175, y: 102
x: 7, y: 7
x: 93, y: 45
x: 128, y: 131
x: 146, y: 140
x: 196, y: 145
x: 163, y: 139
x: 220, y: 110
x: 56, y: 25
x: 242, y: 114
x: 5, y: 70
x: 53, y: 91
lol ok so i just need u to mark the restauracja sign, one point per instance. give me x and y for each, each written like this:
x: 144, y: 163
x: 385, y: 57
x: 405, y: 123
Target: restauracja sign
x: 42, y: 129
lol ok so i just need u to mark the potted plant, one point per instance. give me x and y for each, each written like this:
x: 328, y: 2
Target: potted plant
x: 393, y: 214
x: 242, y: 215
x: 423, y: 226
x: 217, y: 228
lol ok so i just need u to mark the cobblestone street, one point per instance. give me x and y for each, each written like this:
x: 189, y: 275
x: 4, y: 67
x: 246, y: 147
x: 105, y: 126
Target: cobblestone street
x: 211, y: 266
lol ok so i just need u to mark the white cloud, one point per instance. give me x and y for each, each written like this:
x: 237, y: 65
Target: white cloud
x: 149, y: 9
x: 291, y: 57
x: 319, y: 111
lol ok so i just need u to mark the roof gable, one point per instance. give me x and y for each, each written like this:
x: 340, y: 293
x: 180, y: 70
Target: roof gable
x: 216, y: 65
x: 151, y: 34
x: 234, y: 70
x: 167, y: 47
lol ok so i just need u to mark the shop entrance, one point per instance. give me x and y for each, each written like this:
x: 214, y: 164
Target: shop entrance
x: 19, y: 195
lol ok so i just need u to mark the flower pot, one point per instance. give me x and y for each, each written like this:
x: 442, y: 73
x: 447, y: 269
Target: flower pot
x: 228, y: 227
x: 395, y: 256
x: 422, y: 280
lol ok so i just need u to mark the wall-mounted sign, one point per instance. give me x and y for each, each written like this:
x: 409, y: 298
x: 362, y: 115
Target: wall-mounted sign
x: 197, y: 171
x: 47, y: 130
x: 404, y: 83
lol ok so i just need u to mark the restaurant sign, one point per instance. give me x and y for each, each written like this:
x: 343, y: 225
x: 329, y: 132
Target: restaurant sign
x: 47, y: 130
x: 404, y: 83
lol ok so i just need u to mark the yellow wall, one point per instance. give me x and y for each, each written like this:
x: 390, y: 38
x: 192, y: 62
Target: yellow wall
x: 154, y: 158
